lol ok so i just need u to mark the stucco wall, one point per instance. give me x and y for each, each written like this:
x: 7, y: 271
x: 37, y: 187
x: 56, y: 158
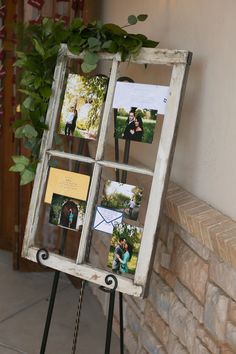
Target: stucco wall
x: 205, y: 152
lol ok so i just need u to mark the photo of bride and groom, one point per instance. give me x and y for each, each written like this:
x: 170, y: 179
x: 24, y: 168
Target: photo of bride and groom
x: 137, y: 124
x: 124, y: 248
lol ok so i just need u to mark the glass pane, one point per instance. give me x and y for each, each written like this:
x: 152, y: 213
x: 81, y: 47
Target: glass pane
x: 119, y: 212
x: 80, y: 110
x: 63, y: 207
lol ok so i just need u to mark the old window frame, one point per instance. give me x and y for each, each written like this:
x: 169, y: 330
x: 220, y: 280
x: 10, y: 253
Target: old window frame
x: 180, y: 62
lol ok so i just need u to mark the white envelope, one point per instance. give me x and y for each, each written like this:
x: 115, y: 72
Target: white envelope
x: 106, y: 219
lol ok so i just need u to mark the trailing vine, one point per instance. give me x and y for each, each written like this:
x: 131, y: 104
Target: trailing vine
x: 37, y: 59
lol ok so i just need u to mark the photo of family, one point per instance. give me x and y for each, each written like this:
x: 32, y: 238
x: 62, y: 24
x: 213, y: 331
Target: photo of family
x: 135, y: 124
x: 66, y: 212
x: 82, y: 106
x: 122, y: 197
x: 124, y: 248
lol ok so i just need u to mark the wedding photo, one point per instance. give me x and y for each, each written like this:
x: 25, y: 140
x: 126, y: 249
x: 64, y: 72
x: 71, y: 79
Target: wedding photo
x: 124, y: 248
x: 136, y: 124
x: 82, y: 106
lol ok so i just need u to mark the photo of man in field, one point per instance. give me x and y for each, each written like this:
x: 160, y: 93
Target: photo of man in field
x: 122, y: 197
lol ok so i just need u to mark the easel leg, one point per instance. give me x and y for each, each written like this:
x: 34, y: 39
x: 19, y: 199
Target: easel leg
x: 43, y: 254
x: 121, y: 324
x: 109, y: 321
x: 112, y: 280
x: 50, y: 311
x: 76, y: 330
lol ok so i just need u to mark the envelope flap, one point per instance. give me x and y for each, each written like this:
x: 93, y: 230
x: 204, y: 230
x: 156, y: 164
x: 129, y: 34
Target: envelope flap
x: 109, y: 215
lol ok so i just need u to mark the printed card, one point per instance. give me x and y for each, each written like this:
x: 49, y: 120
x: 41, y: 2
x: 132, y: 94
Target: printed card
x: 70, y: 184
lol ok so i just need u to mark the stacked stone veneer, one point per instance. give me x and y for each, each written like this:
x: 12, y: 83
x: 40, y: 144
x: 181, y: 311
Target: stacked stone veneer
x: 191, y: 306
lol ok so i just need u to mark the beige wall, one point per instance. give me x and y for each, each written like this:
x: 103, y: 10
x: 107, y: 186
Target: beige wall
x: 204, y: 161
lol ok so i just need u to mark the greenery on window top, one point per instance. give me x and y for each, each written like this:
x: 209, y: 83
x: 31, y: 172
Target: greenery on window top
x: 37, y: 58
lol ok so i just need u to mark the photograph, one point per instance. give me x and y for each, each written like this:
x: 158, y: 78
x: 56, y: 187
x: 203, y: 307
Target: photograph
x: 137, y: 109
x: 135, y: 124
x: 124, y: 248
x: 82, y: 106
x: 121, y: 197
x: 66, y: 212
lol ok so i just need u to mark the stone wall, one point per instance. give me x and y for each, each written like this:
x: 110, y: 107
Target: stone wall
x: 191, y: 306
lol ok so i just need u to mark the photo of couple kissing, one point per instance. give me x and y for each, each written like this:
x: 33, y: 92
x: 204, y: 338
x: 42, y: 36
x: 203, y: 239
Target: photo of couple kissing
x: 121, y: 257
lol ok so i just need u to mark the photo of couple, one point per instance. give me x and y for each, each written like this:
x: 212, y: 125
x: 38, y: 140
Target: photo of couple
x: 124, y: 248
x: 82, y: 106
x: 137, y: 124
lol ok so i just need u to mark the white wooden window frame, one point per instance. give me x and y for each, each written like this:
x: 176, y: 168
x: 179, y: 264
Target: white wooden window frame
x: 180, y: 61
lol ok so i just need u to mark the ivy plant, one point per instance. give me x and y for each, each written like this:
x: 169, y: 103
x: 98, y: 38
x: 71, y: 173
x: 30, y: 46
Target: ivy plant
x: 37, y: 59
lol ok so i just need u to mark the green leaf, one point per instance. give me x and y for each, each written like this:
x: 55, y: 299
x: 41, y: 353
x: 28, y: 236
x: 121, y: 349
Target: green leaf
x: 91, y: 58
x: 117, y: 30
x: 29, y: 131
x: 94, y: 43
x: 45, y: 91
x: 107, y: 44
x: 29, y: 103
x: 20, y: 54
x: 19, y: 132
x: 26, y: 131
x: 17, y: 168
x: 20, y: 63
x: 150, y: 44
x: 142, y: 17
x: 37, y: 82
x: 29, y: 144
x: 21, y: 159
x: 38, y: 47
x: 18, y: 123
x: 52, y: 52
x: 132, y: 20
x: 87, y: 68
x: 76, y: 24
x: 27, y: 80
x: 27, y: 176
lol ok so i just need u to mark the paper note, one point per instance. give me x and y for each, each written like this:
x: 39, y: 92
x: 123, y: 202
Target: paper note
x: 106, y: 219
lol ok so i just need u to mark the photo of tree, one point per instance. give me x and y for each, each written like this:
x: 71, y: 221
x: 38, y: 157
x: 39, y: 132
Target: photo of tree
x: 67, y: 212
x: 122, y: 197
x: 82, y: 105
x: 124, y: 248
x: 136, y: 124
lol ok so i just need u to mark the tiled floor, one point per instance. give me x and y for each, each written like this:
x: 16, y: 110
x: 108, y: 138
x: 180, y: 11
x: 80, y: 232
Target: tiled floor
x: 23, y: 309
